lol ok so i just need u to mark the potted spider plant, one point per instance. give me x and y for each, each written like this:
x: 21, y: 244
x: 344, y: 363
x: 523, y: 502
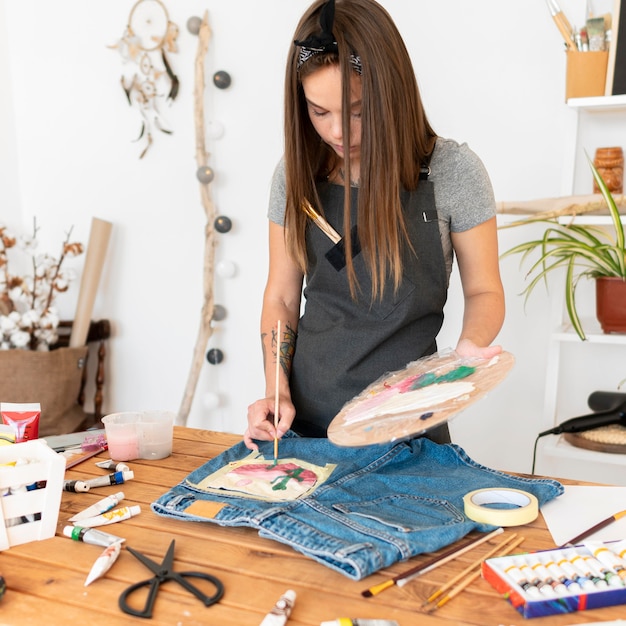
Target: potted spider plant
x: 584, y: 251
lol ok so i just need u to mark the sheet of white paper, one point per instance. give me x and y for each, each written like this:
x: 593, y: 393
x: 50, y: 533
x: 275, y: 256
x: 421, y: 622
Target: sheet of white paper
x: 615, y: 622
x: 580, y: 508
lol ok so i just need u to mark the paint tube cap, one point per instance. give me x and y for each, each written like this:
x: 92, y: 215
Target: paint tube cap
x: 76, y: 486
x: 135, y: 509
x: 128, y: 475
x: 68, y: 531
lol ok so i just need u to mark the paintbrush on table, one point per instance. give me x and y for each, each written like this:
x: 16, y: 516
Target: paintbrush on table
x: 473, y: 576
x: 452, y: 553
x: 594, y: 529
x: 468, y: 570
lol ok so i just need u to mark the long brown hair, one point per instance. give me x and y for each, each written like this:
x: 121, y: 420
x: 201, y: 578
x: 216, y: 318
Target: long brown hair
x: 396, y: 136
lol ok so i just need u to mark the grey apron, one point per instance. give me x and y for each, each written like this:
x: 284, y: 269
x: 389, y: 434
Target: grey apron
x: 343, y: 345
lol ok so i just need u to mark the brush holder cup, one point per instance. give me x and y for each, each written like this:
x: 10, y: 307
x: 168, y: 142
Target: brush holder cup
x: 586, y: 74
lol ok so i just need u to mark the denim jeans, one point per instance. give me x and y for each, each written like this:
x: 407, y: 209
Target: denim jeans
x: 382, y: 503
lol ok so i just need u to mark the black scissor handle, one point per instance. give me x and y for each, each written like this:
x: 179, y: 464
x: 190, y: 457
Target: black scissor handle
x: 180, y: 578
x: 152, y: 593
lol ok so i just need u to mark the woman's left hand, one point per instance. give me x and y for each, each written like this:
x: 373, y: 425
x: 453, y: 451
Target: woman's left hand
x: 467, y: 348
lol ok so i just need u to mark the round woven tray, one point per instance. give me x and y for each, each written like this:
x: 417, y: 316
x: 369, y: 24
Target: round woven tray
x: 604, y: 439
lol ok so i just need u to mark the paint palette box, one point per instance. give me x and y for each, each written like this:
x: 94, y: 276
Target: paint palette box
x: 551, y: 582
x: 31, y: 485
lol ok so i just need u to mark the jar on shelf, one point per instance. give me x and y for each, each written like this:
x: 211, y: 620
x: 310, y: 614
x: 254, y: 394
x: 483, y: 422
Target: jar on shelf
x: 610, y: 165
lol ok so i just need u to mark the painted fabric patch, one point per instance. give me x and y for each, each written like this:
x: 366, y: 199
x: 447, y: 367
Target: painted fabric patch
x: 262, y: 479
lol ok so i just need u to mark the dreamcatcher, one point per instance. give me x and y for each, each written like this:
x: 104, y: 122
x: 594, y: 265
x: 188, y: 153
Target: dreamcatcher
x: 149, y: 80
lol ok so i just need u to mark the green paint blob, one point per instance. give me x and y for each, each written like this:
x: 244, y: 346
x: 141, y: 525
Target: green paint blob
x: 463, y: 371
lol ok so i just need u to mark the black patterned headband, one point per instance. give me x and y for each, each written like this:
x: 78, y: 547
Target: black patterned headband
x: 325, y: 41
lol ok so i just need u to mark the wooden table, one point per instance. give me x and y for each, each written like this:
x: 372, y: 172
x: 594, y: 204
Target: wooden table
x: 45, y: 579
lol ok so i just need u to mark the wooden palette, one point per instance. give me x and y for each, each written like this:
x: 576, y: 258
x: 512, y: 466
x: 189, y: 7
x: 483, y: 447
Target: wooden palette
x: 425, y: 394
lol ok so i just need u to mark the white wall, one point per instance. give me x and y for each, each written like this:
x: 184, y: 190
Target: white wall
x: 491, y: 73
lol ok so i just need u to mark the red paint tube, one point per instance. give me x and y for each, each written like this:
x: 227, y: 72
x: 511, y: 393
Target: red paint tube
x: 23, y: 418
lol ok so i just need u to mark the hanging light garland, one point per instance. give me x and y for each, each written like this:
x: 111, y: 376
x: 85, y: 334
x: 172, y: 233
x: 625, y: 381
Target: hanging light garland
x: 211, y: 312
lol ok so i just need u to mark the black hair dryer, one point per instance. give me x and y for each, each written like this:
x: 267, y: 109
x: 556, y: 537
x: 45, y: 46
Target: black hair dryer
x: 609, y: 407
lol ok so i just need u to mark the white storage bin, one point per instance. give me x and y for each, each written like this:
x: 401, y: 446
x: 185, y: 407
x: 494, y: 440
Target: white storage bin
x: 31, y: 492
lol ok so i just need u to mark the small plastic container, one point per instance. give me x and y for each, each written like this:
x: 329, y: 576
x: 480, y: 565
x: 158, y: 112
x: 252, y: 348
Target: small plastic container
x: 31, y: 483
x: 139, y: 434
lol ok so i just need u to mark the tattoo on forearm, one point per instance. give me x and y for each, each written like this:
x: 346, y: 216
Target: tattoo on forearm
x: 285, y: 350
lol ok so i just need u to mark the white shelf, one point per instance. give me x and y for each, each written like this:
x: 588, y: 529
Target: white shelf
x: 574, y: 367
x: 593, y: 333
x: 562, y: 460
x: 506, y: 219
x: 598, y: 103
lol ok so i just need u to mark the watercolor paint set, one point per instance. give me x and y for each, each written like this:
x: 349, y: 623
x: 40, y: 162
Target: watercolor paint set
x: 563, y: 580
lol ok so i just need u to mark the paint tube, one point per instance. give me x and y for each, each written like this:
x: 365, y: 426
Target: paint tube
x: 104, y: 562
x: 102, y: 506
x: 281, y: 611
x: 22, y: 489
x: 91, y: 535
x: 110, y: 517
x: 117, y: 478
x: 75, y: 486
x: 110, y: 464
x: 346, y: 621
x: 607, y: 557
x: 23, y: 418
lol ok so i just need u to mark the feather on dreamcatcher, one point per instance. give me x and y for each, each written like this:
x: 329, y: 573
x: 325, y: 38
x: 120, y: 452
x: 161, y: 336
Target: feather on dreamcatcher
x: 149, y: 80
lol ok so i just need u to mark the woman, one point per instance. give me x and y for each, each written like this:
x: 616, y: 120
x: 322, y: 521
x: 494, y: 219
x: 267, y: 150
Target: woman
x: 362, y: 159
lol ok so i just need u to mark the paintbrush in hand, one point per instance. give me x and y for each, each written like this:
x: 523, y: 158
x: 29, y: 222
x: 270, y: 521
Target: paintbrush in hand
x: 276, y: 393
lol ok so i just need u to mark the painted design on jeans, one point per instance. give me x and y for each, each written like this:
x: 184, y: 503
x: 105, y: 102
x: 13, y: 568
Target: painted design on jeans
x: 262, y: 479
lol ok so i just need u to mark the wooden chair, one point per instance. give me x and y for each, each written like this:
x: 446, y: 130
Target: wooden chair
x: 99, y: 332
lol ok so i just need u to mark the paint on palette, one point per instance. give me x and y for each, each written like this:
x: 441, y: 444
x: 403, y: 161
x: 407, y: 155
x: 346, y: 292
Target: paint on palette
x: 423, y: 395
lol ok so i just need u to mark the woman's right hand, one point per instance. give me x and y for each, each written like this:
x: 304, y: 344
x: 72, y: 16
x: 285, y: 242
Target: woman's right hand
x: 261, y: 421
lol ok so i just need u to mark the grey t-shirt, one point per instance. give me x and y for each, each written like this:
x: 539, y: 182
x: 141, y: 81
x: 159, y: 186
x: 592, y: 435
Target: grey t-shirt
x: 463, y: 192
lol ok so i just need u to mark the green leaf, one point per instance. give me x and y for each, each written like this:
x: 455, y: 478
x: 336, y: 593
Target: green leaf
x: 570, y: 300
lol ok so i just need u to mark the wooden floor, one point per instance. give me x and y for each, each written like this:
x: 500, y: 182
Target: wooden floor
x: 45, y: 579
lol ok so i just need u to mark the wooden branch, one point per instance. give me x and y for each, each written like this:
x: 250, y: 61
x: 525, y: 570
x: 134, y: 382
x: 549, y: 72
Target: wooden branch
x: 564, y: 206
x: 205, y: 330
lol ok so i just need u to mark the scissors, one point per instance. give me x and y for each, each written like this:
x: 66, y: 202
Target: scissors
x: 162, y: 573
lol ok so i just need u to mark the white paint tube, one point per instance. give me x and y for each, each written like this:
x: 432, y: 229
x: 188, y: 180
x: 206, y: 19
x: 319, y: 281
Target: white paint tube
x: 110, y: 517
x: 281, y: 611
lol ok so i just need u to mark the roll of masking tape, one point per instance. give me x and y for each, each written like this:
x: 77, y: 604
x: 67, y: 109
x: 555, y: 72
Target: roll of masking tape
x: 521, y: 507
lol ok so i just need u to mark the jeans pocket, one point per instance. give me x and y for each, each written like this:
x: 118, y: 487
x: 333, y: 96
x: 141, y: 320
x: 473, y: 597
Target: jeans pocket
x: 404, y: 513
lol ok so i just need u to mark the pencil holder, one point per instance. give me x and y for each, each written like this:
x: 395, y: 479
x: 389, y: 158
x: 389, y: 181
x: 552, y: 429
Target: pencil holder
x: 31, y: 483
x: 586, y: 74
